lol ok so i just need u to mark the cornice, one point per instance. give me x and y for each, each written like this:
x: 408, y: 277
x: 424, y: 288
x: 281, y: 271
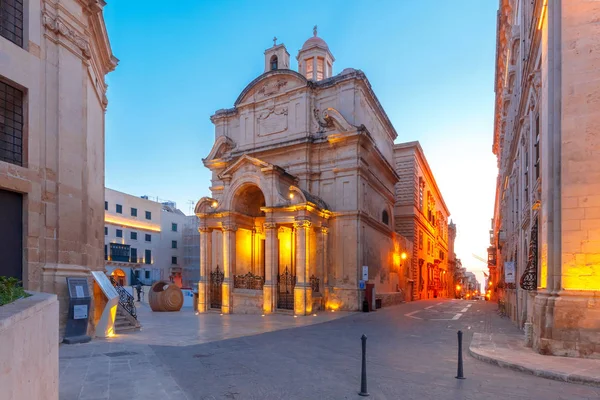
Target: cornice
x: 58, y: 25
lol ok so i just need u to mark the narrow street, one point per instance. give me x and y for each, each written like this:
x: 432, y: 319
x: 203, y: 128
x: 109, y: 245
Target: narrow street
x: 411, y: 354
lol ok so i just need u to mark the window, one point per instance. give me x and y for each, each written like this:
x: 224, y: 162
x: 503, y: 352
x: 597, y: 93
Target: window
x: 120, y: 233
x: 119, y: 209
x: 148, y: 257
x: 106, y: 231
x: 309, y: 68
x: 11, y: 118
x: 119, y: 252
x: 11, y: 21
x: 106, y: 205
x: 173, y: 260
x: 420, y: 240
x: 133, y: 255
x: 320, y: 68
x: 133, y: 235
x: 273, y: 63
x: 148, y: 237
x: 147, y: 274
x: 133, y: 212
x: 385, y: 217
x: 174, y: 227
x: 148, y: 215
x: 106, y: 252
x: 136, y: 273
x: 173, y: 244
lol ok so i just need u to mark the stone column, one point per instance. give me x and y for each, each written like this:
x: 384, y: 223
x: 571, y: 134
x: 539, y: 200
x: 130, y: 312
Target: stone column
x: 325, y: 264
x: 302, y: 290
x: 204, y: 283
x: 228, y: 267
x: 271, y: 268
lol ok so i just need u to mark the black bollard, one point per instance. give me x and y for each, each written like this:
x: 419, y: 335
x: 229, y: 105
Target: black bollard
x: 459, y: 373
x: 363, y: 375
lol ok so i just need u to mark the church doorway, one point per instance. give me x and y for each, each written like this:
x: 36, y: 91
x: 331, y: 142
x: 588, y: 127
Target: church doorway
x: 119, y: 276
x: 286, y: 278
x: 216, y: 284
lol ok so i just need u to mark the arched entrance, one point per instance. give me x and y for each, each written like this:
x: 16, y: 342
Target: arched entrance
x: 248, y: 200
x: 119, y: 276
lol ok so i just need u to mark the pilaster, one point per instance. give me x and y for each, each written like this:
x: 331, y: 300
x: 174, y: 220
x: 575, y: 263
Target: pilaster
x: 271, y: 264
x: 302, y: 290
x: 203, y: 284
x: 228, y: 267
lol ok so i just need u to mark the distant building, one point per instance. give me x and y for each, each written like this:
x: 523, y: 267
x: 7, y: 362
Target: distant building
x: 191, y: 253
x: 545, y: 243
x: 421, y: 215
x: 142, y: 239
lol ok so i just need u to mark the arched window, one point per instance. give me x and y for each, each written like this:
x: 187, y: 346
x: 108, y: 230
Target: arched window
x: 385, y: 218
x: 273, y: 63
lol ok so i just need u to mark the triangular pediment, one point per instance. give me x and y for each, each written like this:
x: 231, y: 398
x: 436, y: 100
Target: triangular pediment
x: 222, y: 146
x: 246, y: 162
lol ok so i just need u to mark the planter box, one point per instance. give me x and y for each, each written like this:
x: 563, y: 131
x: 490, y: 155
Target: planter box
x: 29, y: 348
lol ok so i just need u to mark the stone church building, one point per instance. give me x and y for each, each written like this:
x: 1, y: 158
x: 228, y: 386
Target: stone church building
x: 303, y: 193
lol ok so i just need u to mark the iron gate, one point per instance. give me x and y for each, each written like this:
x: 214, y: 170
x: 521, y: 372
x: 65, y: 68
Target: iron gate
x: 286, y: 283
x: 216, y: 282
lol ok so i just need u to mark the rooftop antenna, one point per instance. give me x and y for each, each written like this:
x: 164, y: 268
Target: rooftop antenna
x: 191, y: 203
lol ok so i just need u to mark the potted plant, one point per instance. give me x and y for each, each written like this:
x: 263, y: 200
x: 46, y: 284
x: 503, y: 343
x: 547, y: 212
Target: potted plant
x: 10, y: 290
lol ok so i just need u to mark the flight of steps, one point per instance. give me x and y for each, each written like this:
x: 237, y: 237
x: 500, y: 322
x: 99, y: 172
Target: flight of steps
x: 125, y: 322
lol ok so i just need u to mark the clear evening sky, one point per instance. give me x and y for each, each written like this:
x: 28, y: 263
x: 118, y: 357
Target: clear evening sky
x: 430, y: 62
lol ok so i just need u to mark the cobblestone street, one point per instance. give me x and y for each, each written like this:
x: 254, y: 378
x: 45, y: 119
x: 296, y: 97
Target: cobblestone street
x: 411, y: 354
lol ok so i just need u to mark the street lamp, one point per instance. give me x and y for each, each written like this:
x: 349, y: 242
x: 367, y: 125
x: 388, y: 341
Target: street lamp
x: 403, y: 256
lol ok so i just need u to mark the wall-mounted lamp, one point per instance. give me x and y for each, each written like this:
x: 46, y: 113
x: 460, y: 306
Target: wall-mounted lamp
x: 403, y: 256
x: 214, y: 204
x: 291, y: 195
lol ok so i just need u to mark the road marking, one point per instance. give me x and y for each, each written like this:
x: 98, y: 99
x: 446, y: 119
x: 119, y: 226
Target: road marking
x: 464, y: 310
x: 457, y: 316
x: 440, y: 303
x: 427, y: 308
x: 410, y: 314
x: 469, y: 305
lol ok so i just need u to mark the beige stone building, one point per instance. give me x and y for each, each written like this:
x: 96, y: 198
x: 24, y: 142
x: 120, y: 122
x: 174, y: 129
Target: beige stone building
x: 421, y: 215
x: 545, y: 246
x: 54, y: 56
x: 303, y: 192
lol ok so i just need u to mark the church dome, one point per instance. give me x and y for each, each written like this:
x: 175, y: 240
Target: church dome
x: 314, y: 41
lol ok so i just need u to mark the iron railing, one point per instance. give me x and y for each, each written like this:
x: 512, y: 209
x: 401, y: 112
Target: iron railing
x: 126, y: 300
x: 248, y: 281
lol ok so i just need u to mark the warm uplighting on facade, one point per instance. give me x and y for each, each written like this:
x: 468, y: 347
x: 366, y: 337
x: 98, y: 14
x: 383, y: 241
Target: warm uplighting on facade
x: 128, y: 223
x: 542, y: 14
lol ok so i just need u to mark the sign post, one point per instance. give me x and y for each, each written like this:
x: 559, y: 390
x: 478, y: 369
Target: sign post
x: 106, y: 325
x: 79, y: 310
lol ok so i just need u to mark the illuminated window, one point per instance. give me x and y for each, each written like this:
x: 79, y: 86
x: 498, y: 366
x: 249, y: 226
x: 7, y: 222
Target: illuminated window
x: 274, y: 63
x: 320, y: 68
x: 309, y: 68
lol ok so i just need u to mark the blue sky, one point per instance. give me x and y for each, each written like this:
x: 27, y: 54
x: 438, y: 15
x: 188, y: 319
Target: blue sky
x: 430, y: 62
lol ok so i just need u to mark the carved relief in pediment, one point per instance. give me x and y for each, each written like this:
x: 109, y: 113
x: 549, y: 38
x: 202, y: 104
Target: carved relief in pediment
x: 273, y: 120
x: 270, y: 88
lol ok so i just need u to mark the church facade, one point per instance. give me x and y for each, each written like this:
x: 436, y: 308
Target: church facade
x: 302, y: 193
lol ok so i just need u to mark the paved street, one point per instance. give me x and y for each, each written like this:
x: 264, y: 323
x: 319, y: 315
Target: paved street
x: 411, y: 355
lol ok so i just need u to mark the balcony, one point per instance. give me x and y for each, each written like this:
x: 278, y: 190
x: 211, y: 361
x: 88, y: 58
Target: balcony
x: 491, y: 256
x: 501, y: 238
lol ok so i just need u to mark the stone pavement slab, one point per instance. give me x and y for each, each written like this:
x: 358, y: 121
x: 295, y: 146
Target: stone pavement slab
x: 509, y: 351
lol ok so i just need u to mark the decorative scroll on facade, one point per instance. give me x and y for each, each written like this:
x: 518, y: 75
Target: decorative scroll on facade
x: 529, y: 277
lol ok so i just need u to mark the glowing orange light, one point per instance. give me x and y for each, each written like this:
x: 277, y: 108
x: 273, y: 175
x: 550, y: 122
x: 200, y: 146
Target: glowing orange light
x: 490, y: 283
x: 291, y: 196
x: 403, y: 256
x: 128, y: 223
x: 542, y: 14
x: 214, y: 204
x: 458, y: 287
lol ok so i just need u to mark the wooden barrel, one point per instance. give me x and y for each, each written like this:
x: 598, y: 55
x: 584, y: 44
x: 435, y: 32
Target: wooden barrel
x: 165, y: 296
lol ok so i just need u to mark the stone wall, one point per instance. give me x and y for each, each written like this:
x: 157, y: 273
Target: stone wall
x: 247, y: 301
x: 389, y: 299
x: 29, y: 348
